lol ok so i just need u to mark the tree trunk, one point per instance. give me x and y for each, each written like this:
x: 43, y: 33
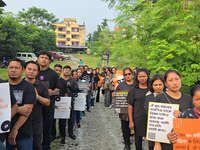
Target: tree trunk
x: 195, y: 3
x: 186, y: 5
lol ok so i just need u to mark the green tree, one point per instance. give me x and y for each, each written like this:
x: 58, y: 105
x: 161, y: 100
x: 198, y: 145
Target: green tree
x: 38, y: 17
x: 89, y: 36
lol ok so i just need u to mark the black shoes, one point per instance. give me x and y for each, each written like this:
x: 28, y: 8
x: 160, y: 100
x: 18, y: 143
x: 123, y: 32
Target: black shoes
x: 58, y: 136
x: 127, y: 147
x: 62, y: 142
x: 88, y: 110
x: 72, y: 136
x: 78, y: 125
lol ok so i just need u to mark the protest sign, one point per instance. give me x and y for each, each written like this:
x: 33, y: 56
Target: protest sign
x: 188, y: 134
x: 5, y: 107
x: 94, y: 95
x: 121, y: 105
x: 63, y: 104
x: 160, y: 121
x: 79, y: 103
x: 83, y: 85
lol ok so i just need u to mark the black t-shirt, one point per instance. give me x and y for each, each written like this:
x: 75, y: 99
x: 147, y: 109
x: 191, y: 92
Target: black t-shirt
x: 13, y: 102
x: 51, y: 79
x: 72, y: 88
x: 37, y: 109
x: 148, y: 98
x: 96, y: 78
x: 63, y: 87
x: 24, y: 93
x: 87, y: 76
x: 185, y: 102
x: 136, y: 98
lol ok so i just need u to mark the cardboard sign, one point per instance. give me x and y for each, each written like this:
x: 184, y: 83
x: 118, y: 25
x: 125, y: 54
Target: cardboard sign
x: 5, y: 108
x: 160, y: 121
x: 79, y: 103
x: 83, y: 85
x: 121, y: 105
x: 63, y: 111
x: 188, y: 134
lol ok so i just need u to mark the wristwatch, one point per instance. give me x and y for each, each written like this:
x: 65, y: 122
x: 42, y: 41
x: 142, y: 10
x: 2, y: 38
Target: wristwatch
x: 38, y: 97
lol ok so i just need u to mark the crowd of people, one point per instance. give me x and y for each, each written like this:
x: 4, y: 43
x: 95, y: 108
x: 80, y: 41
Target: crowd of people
x: 33, y: 126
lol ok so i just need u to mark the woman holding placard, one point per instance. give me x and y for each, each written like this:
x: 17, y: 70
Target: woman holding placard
x: 136, y: 111
x: 156, y: 86
x: 189, y: 113
x: 173, y: 96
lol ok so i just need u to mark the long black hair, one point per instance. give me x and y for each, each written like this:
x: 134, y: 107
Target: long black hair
x: 137, y: 81
x: 194, y: 89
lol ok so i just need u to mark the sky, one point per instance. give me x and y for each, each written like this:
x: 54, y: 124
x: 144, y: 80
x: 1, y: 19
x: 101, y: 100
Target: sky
x: 91, y: 11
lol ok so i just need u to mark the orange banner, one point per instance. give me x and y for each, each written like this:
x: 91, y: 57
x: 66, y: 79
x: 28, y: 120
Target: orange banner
x: 188, y: 134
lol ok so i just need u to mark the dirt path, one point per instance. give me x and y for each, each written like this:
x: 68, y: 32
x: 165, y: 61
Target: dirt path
x: 75, y: 61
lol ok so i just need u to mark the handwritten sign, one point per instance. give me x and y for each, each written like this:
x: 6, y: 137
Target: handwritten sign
x: 121, y: 105
x: 160, y: 121
x: 63, y: 111
x: 188, y: 134
x: 83, y: 85
x: 79, y: 103
x: 5, y: 108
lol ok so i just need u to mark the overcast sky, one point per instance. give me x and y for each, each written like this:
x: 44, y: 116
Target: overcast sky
x: 91, y: 11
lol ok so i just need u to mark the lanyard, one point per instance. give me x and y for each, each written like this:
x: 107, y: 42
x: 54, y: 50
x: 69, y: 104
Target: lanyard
x: 196, y: 113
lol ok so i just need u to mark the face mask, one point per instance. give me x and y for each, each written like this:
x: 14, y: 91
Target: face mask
x: 88, y: 72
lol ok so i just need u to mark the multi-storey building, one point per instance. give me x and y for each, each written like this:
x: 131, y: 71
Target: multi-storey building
x: 70, y: 36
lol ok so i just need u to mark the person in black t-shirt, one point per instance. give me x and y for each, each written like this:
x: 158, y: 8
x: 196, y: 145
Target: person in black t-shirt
x: 136, y: 111
x: 51, y: 79
x: 72, y: 89
x: 21, y: 134
x: 31, y: 69
x: 14, y: 108
x: 62, y: 93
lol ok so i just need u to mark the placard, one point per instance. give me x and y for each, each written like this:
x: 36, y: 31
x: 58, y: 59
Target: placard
x: 160, y: 121
x: 188, y: 134
x: 94, y: 95
x: 5, y: 108
x: 121, y: 105
x: 79, y: 103
x: 63, y: 111
x: 83, y: 85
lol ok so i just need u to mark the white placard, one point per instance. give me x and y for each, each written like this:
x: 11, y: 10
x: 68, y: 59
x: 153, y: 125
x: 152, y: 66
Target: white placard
x: 63, y: 111
x: 94, y: 95
x: 160, y: 121
x: 79, y: 103
x: 5, y: 108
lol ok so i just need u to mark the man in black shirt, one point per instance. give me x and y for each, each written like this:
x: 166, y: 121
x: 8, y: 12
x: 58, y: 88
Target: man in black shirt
x: 14, y: 109
x: 21, y: 134
x: 62, y: 93
x: 50, y: 78
x: 42, y: 96
x: 72, y: 89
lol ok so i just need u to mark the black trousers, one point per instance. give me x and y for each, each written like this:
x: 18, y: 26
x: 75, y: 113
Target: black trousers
x: 47, y: 128
x: 126, y: 131
x: 138, y: 142
x: 37, y: 136
x: 97, y: 98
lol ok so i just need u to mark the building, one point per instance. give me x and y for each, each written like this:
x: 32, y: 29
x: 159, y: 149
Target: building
x: 70, y: 36
x: 2, y: 4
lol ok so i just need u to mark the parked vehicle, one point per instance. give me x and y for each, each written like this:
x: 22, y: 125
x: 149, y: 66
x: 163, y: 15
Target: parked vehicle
x: 55, y: 55
x: 24, y: 56
x: 4, y: 64
x: 62, y: 54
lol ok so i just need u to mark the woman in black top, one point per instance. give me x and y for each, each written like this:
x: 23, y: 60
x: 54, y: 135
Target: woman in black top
x: 173, y: 96
x: 136, y: 111
x: 193, y: 113
x: 156, y: 86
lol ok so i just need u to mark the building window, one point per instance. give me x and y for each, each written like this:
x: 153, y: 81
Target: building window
x: 61, y: 43
x: 68, y: 25
x: 75, y: 43
x: 61, y: 29
x: 61, y: 36
x: 68, y: 39
x: 68, y: 32
x: 75, y: 29
x: 75, y: 36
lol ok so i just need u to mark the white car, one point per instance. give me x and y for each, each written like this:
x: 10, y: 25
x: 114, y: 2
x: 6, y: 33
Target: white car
x: 62, y: 54
x: 26, y: 56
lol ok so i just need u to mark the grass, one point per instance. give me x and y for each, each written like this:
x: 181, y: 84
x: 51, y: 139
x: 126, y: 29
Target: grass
x: 4, y: 75
x: 93, y: 61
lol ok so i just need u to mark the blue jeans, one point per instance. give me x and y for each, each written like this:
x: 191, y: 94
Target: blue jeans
x: 76, y: 117
x: 92, y: 102
x: 2, y: 146
x: 26, y: 144
x: 88, y: 100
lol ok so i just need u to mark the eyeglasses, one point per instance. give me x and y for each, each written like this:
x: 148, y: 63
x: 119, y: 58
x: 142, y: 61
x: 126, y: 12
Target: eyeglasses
x: 127, y: 74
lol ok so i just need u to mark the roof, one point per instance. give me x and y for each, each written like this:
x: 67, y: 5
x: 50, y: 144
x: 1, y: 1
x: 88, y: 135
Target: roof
x: 2, y: 4
x: 65, y: 46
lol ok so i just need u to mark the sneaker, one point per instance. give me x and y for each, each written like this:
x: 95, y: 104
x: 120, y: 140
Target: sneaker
x: 78, y: 125
x: 88, y: 110
x: 110, y: 106
x: 62, y: 142
x: 92, y: 107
